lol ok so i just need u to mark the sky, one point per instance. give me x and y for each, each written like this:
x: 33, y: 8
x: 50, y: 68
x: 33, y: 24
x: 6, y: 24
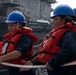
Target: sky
x: 71, y: 3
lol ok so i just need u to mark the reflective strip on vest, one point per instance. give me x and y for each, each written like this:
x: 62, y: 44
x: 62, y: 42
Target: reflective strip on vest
x: 4, y: 48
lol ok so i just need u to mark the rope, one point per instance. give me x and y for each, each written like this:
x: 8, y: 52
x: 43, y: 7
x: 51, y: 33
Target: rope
x: 35, y: 66
x: 69, y: 64
x: 23, y: 66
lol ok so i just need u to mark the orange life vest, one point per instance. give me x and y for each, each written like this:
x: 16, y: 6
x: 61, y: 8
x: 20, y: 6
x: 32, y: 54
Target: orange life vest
x: 49, y: 46
x: 12, y: 41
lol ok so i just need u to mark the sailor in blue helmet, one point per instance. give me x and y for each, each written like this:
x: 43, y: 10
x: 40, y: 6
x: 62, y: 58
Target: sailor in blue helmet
x: 18, y: 43
x: 75, y: 14
x: 67, y: 43
x: 59, y: 46
x: 74, y: 10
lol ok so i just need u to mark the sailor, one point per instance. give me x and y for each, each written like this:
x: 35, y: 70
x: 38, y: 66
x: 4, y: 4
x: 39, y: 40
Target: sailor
x: 75, y: 14
x: 18, y: 43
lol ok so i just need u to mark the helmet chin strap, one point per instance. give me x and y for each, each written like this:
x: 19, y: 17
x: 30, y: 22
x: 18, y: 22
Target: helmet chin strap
x: 17, y: 26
